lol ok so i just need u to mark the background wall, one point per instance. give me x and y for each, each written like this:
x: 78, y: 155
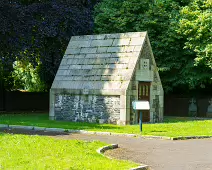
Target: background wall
x: 28, y: 101
x: 24, y: 101
x: 179, y: 105
x: 1, y: 96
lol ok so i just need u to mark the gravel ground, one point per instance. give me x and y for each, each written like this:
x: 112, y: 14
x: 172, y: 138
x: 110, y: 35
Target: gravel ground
x: 159, y: 154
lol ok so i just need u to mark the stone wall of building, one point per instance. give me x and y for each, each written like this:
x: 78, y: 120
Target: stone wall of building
x: 156, y: 89
x: 87, y: 108
x: 157, y: 100
x: 146, y: 71
x: 98, y: 79
x: 132, y: 93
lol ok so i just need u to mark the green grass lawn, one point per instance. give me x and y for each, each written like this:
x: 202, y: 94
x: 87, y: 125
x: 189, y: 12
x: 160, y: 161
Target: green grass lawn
x: 22, y: 152
x: 172, y: 127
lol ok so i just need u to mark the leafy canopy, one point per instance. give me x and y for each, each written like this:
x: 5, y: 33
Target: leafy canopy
x: 161, y: 18
x: 196, y: 25
x: 43, y: 29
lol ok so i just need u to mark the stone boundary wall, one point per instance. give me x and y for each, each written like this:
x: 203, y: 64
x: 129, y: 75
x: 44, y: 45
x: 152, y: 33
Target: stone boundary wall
x: 87, y: 108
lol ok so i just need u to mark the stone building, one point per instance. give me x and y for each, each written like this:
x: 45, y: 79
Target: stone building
x: 99, y: 77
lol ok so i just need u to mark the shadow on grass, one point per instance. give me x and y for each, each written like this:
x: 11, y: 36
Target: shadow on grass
x: 83, y: 126
x: 158, y: 131
x: 170, y: 119
x: 1, y: 134
x: 42, y: 120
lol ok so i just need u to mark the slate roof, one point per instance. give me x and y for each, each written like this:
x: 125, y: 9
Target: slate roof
x: 99, y: 62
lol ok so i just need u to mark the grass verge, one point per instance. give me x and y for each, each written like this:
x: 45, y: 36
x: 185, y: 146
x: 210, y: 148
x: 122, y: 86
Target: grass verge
x: 36, y: 152
x: 172, y: 127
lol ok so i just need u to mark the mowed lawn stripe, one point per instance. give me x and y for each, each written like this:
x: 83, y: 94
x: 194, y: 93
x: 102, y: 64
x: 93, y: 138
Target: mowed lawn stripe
x: 172, y: 127
x: 37, y: 152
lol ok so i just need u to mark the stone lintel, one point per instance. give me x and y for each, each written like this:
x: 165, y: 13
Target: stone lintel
x: 90, y: 92
x: 144, y: 75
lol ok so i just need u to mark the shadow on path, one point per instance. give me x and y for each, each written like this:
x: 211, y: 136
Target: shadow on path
x: 31, y: 132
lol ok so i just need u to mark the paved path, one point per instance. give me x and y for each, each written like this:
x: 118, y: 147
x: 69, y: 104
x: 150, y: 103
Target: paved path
x: 159, y: 154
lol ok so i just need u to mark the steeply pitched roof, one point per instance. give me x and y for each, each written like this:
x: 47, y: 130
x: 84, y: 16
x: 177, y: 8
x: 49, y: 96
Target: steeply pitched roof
x: 99, y: 62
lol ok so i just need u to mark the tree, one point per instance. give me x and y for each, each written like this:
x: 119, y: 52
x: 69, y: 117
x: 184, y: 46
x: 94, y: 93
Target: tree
x: 161, y: 19
x: 43, y: 29
x: 26, y: 77
x: 196, y: 26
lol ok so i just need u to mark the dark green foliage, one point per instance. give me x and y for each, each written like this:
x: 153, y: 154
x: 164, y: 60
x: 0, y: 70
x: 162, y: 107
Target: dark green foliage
x: 161, y: 19
x: 196, y: 25
x: 42, y: 30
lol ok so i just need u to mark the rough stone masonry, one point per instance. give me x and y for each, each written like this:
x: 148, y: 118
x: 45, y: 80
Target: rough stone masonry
x: 87, y: 108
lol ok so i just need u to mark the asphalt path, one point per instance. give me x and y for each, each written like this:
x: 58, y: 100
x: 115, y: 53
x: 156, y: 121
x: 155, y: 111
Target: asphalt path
x: 158, y: 154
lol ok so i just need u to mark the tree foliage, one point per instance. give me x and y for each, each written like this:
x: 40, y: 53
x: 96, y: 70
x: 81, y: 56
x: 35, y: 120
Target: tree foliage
x: 196, y: 25
x: 26, y: 77
x: 161, y: 19
x: 43, y: 29
x: 179, y: 31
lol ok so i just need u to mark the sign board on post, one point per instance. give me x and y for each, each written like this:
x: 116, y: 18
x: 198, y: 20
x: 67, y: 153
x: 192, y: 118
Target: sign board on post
x: 140, y: 105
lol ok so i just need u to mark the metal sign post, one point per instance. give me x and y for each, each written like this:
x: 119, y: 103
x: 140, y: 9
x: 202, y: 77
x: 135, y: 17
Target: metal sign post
x: 140, y: 105
x: 140, y: 121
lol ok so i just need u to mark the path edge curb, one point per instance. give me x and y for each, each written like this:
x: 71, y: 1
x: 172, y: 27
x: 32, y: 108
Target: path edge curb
x: 107, y: 147
x: 25, y: 127
x: 114, y: 146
